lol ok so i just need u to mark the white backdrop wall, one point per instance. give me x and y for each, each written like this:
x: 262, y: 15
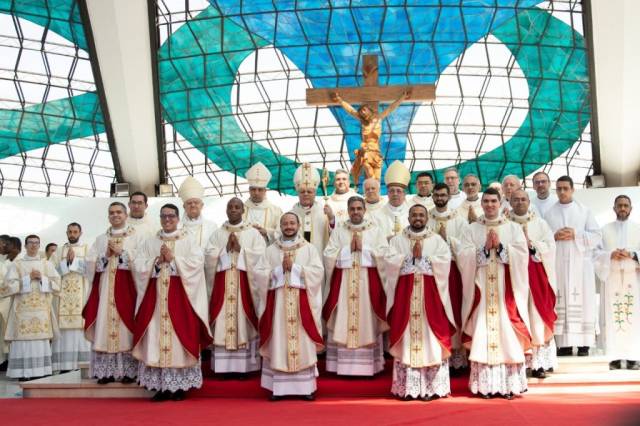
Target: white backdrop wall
x: 48, y: 217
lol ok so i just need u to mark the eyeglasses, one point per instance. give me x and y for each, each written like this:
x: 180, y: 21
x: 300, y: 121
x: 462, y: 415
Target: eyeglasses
x: 540, y: 182
x: 168, y: 216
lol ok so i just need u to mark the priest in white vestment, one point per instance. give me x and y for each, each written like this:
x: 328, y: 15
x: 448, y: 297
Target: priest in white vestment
x: 230, y: 258
x: 471, y: 208
x: 452, y: 179
x: 110, y: 310
x: 451, y: 227
x: 31, y: 283
x: 493, y: 262
x: 172, y: 318
x: 424, y: 186
x: 393, y: 217
x: 341, y: 193
x: 71, y: 348
x: 619, y: 272
x: 419, y: 312
x: 372, y: 199
x: 543, y: 198
x: 258, y: 210
x: 316, y: 219
x: 354, y: 310
x: 542, y: 284
x: 138, y: 218
x: 289, y: 280
x: 577, y: 235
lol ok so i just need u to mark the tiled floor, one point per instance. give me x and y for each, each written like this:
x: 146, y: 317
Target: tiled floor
x: 9, y: 388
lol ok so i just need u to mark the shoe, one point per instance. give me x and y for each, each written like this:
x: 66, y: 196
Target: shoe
x: 430, y: 398
x: 274, y: 398
x: 539, y: 373
x: 310, y: 397
x: 161, y: 396
x: 63, y: 371
x: 508, y: 396
x: 4, y: 365
x: 105, y: 380
x: 615, y: 365
x: 566, y: 351
x: 529, y: 372
x: 178, y: 395
x: 127, y: 380
x: 583, y: 350
x: 632, y: 365
x: 549, y: 370
x: 487, y: 396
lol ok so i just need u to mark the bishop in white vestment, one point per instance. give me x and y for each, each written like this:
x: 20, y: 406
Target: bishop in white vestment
x: 258, y: 210
x: 619, y: 272
x: 393, y: 217
x: 191, y: 192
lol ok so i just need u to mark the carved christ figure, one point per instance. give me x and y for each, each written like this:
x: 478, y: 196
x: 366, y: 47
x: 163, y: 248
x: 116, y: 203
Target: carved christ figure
x: 368, y: 156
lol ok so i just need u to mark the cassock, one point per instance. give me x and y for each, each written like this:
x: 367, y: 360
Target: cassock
x: 354, y: 309
x: 620, y: 294
x: 264, y: 214
x: 172, y: 319
x: 338, y: 204
x: 419, y: 314
x: 455, y: 200
x: 110, y: 310
x: 455, y: 226
x: 314, y: 224
x: 391, y: 220
x: 144, y: 226
x: 71, y: 348
x: 290, y: 305
x: 542, y: 289
x: 575, y: 275
x: 32, y: 322
x: 466, y: 205
x: 494, y: 311
x: 232, y: 311
x: 425, y: 201
x: 542, y: 206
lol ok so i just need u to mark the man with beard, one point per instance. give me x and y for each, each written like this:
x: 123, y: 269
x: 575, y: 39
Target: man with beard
x: 71, y: 348
x: 258, y: 211
x: 341, y: 193
x: 419, y: 313
x: 424, y: 186
x: 451, y: 227
x: 471, y: 209
x: 355, y: 307
x: 542, y: 281
x: 289, y: 280
x: 617, y: 268
x: 392, y: 218
x: 452, y: 179
x: 109, y: 311
x: 544, y: 199
x: 493, y: 262
x: 172, y: 318
x: 230, y: 258
x: 577, y: 235
x: 138, y: 219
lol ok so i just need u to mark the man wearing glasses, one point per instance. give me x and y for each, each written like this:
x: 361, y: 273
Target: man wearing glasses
x: 544, y: 199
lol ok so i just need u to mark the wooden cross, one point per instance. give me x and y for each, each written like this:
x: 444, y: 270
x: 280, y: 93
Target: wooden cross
x: 371, y: 94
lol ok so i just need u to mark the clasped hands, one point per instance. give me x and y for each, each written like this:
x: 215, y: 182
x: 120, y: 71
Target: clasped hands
x: 493, y: 240
x: 565, y: 234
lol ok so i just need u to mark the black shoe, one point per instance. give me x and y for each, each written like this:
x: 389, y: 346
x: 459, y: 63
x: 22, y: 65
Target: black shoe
x: 566, y: 351
x: 105, y: 380
x: 4, y: 365
x: 508, y: 396
x: 549, y: 370
x: 615, y: 365
x: 127, y: 380
x: 430, y: 398
x: 310, y: 397
x: 529, y: 372
x: 178, y: 395
x: 539, y: 373
x: 24, y: 379
x: 161, y: 396
x: 485, y: 396
x: 274, y: 398
x: 583, y: 350
x: 632, y: 365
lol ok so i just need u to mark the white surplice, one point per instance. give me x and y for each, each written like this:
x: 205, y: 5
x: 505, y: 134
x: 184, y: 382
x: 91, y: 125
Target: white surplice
x: 575, y: 275
x: 620, y: 294
x: 542, y: 206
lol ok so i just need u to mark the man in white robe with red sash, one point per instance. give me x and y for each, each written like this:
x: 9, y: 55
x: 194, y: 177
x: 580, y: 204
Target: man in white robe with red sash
x: 110, y: 310
x: 451, y: 226
x: 618, y: 269
x: 230, y: 258
x: 354, y: 310
x: 172, y: 319
x: 493, y: 262
x: 289, y: 280
x: 419, y: 312
x: 542, y: 277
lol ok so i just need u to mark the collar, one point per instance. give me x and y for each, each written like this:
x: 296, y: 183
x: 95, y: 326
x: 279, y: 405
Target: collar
x: 186, y: 220
x: 236, y: 228
x: 362, y: 226
x: 410, y: 234
x: 122, y: 232
x: 500, y: 220
x: 446, y: 215
x: 521, y: 219
x: 171, y: 236
x: 290, y: 245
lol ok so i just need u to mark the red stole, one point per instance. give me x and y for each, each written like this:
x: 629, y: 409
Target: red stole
x: 543, y: 296
x: 124, y: 293
x: 189, y: 328
x: 455, y: 293
x: 217, y: 298
x: 376, y: 294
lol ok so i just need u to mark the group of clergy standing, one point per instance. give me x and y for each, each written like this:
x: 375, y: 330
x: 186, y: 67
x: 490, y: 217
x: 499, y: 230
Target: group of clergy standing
x: 495, y: 282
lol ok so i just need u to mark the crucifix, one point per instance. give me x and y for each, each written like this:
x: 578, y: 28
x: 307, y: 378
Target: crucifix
x: 368, y: 157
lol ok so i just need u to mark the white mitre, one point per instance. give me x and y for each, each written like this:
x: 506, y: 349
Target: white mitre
x: 306, y: 177
x: 190, y: 188
x: 397, y: 174
x: 258, y: 176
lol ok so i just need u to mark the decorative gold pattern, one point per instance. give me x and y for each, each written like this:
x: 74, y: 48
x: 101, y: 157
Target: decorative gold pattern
x: 33, y: 310
x: 292, y: 320
x: 492, y: 293
x: 353, y: 305
x: 231, y: 285
x: 113, y: 318
x: 416, y: 321
x: 166, y: 328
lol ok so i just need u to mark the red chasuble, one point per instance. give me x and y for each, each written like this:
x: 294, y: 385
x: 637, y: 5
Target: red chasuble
x: 217, y: 298
x: 543, y: 296
x: 376, y: 294
x: 124, y: 293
